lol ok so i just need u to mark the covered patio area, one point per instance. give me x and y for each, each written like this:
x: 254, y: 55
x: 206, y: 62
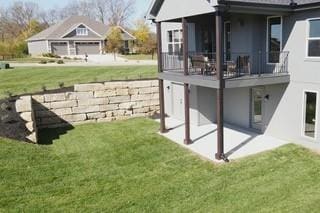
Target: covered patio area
x: 239, y: 142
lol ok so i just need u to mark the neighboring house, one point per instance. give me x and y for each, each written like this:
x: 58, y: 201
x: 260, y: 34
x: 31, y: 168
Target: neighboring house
x: 253, y: 64
x: 76, y: 35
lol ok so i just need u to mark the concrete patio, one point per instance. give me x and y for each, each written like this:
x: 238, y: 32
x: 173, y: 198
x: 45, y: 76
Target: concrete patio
x: 238, y: 142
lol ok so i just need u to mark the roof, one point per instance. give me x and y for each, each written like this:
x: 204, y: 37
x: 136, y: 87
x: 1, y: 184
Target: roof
x: 156, y: 5
x: 60, y: 29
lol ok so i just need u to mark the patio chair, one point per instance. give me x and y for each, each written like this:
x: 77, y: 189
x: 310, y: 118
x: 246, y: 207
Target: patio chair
x: 243, y: 64
x: 201, y: 64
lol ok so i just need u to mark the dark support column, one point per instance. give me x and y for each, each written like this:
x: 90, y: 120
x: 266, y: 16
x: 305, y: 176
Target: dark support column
x: 219, y: 54
x: 161, y: 88
x: 187, y: 139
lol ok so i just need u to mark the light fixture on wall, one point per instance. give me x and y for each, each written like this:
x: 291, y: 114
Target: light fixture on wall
x: 267, y: 97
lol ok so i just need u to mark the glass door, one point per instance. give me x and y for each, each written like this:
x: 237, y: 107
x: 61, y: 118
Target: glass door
x: 257, y: 108
x: 310, y: 114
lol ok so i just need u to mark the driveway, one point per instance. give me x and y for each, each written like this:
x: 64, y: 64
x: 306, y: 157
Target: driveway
x: 239, y: 143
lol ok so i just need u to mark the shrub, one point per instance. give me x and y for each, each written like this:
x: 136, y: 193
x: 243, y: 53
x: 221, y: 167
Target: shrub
x: 66, y: 58
x: 50, y: 55
x: 51, y: 61
x: 44, y: 88
x: 60, y: 62
x: 43, y: 62
x: 61, y: 84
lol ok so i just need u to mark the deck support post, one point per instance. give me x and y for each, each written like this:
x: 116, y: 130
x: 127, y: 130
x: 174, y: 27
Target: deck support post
x: 161, y: 87
x: 185, y: 48
x: 220, y: 91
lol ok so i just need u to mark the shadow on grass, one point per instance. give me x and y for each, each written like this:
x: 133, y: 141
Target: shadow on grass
x: 47, y: 136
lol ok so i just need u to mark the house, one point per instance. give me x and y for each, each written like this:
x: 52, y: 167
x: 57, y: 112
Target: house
x: 76, y: 35
x: 252, y: 64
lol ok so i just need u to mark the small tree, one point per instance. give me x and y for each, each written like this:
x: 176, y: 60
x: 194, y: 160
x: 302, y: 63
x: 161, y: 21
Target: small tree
x: 114, y: 41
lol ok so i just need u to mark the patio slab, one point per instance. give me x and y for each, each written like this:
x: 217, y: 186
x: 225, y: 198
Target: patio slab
x: 238, y: 142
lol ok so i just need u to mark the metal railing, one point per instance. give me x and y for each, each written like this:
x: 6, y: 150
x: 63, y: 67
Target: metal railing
x: 235, y: 64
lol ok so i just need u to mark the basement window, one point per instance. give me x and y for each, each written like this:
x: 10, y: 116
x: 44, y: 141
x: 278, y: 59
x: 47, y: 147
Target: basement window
x: 314, y: 38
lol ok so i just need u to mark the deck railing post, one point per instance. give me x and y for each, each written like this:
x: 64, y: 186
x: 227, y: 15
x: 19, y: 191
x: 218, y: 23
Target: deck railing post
x: 185, y: 48
x: 161, y: 87
x: 220, y: 75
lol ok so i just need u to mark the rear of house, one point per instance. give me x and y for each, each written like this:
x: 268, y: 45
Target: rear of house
x: 76, y: 35
x: 251, y: 64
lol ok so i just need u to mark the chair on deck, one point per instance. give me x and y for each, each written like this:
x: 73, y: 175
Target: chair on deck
x: 243, y: 64
x: 201, y: 64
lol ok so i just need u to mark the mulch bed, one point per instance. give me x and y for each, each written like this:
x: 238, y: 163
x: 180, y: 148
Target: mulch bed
x: 11, y: 125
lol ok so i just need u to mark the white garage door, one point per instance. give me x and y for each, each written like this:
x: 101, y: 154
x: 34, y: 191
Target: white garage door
x: 92, y: 48
x: 59, y: 48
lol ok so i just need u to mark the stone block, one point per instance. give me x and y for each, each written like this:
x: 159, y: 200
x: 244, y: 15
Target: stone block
x: 139, y: 84
x: 26, y: 116
x: 93, y: 102
x: 141, y: 97
x: 24, y: 104
x: 30, y: 126
x: 114, y: 85
x: 141, y: 110
x: 108, y: 119
x: 145, y: 90
x: 155, y: 90
x: 105, y: 93
x: 109, y: 107
x: 118, y: 113
x: 55, y: 97
x: 63, y: 104
x: 38, y: 98
x: 79, y: 95
x: 50, y: 120
x: 41, y: 106
x: 96, y: 115
x: 110, y: 114
x: 129, y: 105
x: 133, y: 91
x: 88, y: 87
x: 138, y: 115
x: 85, y: 109
x: 74, y: 118
x: 33, y: 138
x: 121, y: 92
x: 64, y: 111
x: 155, y: 83
x: 119, y: 99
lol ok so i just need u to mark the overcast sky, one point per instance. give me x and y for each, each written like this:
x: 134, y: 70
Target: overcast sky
x: 141, y: 5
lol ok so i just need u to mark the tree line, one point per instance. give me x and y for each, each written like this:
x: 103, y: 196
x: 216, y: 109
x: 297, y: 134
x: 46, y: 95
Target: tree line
x: 23, y: 19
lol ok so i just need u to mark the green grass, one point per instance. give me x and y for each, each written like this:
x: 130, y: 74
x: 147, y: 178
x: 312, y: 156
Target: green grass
x: 127, y: 167
x: 31, y: 79
x: 140, y: 57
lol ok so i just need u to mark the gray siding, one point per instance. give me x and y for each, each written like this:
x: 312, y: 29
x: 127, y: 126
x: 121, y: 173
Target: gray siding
x: 36, y: 48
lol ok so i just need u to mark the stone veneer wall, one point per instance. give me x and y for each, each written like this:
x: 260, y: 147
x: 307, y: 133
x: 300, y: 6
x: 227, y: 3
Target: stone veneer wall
x: 97, y: 102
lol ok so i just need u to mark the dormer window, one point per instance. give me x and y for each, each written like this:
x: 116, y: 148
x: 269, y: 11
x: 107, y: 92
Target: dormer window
x: 82, y: 31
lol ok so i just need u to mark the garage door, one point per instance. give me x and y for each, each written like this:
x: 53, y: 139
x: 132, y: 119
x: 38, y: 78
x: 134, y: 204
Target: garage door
x: 59, y: 48
x: 89, y: 48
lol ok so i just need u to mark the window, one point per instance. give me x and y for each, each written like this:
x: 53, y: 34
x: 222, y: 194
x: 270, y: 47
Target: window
x: 274, y: 39
x: 227, y: 41
x: 310, y: 111
x: 175, y: 40
x: 82, y: 31
x: 314, y: 38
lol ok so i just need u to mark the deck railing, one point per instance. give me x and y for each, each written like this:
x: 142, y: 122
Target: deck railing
x: 235, y: 64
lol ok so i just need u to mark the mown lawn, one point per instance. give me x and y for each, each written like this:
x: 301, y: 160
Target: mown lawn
x: 140, y: 57
x: 22, y: 80
x: 127, y: 167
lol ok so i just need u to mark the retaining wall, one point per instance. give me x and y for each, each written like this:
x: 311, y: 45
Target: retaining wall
x: 96, y: 102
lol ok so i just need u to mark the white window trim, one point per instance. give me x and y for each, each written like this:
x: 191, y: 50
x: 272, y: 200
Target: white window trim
x: 308, y: 39
x: 304, y: 115
x: 267, y: 37
x: 84, y: 31
x: 173, y: 43
x: 225, y: 40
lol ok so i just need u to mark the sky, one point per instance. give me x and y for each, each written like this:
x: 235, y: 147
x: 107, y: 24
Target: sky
x: 141, y: 5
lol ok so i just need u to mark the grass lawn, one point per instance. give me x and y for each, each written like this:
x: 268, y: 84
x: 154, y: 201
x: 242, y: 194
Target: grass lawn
x: 31, y: 79
x: 127, y: 167
x: 140, y: 57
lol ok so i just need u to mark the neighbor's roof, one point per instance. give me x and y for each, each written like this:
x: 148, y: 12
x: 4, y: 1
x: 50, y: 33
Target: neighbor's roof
x: 60, y: 29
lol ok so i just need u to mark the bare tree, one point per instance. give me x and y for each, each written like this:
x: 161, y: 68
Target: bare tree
x: 23, y: 12
x: 119, y: 11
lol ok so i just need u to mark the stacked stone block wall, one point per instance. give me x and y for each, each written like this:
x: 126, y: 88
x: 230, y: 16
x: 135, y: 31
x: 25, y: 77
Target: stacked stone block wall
x: 97, y: 102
